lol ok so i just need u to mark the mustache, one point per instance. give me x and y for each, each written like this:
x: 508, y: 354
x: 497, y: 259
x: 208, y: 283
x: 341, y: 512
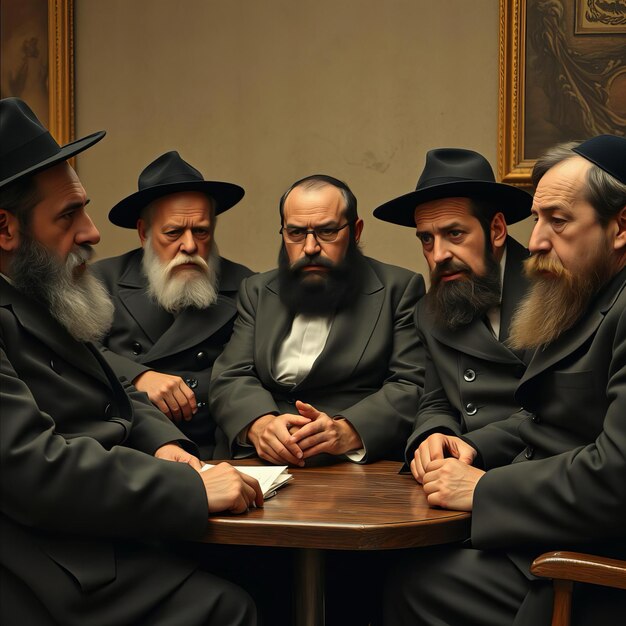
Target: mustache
x: 448, y: 267
x: 305, y: 261
x: 81, y: 254
x: 539, y: 264
x: 183, y: 259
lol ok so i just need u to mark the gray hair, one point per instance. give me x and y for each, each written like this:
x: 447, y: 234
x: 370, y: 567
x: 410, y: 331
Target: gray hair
x: 605, y: 193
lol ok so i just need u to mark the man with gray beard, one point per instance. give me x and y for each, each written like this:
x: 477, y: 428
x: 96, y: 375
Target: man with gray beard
x: 555, y: 479
x: 461, y: 214
x: 95, y: 481
x: 175, y: 296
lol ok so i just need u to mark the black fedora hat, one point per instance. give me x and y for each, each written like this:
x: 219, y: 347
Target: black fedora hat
x: 26, y: 147
x: 169, y: 174
x: 608, y: 152
x: 455, y: 172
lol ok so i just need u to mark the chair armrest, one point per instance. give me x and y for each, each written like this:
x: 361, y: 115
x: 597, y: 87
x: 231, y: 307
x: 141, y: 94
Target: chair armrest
x: 583, y: 568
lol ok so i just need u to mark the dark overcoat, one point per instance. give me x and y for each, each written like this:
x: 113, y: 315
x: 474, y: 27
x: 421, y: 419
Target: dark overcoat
x: 146, y: 337
x: 370, y: 370
x: 471, y: 376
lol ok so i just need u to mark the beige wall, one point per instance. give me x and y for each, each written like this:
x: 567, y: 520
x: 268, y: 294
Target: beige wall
x: 264, y: 92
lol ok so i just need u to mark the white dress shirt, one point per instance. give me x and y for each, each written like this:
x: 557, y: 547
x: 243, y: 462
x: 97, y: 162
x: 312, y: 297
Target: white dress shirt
x: 301, y: 347
x: 493, y: 314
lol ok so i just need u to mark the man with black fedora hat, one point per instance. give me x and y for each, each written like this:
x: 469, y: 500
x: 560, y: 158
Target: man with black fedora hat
x: 94, y: 479
x: 174, y: 296
x: 555, y: 479
x: 461, y: 215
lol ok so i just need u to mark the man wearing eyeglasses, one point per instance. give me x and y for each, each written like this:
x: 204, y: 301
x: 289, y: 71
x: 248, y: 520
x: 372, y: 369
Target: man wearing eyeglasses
x: 324, y: 359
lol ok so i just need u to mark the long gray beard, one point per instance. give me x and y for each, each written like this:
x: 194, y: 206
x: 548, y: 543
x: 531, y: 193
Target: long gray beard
x: 80, y: 304
x: 175, y: 293
x: 553, y: 305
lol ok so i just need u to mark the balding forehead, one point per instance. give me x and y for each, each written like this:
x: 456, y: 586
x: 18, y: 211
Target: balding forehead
x: 442, y: 209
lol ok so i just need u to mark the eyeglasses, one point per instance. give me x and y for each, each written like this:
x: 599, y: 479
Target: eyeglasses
x: 323, y: 233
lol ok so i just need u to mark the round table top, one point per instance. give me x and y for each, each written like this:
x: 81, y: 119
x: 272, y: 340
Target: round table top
x: 345, y: 506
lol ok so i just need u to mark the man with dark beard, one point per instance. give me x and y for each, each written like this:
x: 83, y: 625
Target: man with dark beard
x: 175, y: 296
x: 555, y: 480
x: 461, y: 216
x: 323, y: 359
x: 94, y: 479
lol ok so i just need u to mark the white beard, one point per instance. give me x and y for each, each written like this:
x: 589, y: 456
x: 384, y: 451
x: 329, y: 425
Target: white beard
x: 174, y: 293
x: 80, y: 303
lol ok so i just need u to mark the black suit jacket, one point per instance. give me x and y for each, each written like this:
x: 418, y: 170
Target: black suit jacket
x: 568, y: 487
x: 370, y: 370
x: 77, y: 467
x: 145, y: 337
x: 471, y: 376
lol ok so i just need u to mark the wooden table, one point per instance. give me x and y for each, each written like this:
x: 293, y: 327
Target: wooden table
x: 340, y: 507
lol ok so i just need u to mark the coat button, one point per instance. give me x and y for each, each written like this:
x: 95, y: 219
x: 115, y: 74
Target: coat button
x: 55, y: 366
x: 529, y: 453
x: 291, y: 400
x: 136, y: 347
x: 469, y: 375
x: 470, y: 408
x: 535, y: 418
x: 201, y: 404
x: 202, y: 357
x: 192, y: 383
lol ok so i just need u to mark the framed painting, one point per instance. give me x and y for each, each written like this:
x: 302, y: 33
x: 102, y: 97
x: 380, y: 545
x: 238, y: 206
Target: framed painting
x: 562, y: 77
x: 37, y: 47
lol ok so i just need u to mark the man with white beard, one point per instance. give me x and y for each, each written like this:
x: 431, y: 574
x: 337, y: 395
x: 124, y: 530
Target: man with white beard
x: 175, y: 297
x: 555, y: 480
x: 95, y: 481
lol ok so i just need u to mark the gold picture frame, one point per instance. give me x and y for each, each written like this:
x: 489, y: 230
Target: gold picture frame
x: 38, y: 60
x: 557, y: 81
x: 61, y: 69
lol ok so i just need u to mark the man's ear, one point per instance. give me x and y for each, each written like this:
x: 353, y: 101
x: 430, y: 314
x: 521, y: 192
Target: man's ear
x: 620, y: 237
x: 497, y: 233
x: 358, y: 229
x: 142, y: 231
x: 9, y: 231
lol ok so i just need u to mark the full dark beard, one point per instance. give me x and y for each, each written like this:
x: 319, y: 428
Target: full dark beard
x: 459, y: 302
x: 557, y: 298
x: 79, y: 303
x: 322, y: 293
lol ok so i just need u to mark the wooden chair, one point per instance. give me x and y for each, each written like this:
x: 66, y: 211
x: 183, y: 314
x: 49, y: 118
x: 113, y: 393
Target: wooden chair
x: 566, y: 568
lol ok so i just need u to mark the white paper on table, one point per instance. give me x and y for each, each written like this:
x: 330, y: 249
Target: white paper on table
x: 270, y: 477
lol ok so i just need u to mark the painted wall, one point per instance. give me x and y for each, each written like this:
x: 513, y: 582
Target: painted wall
x: 263, y: 93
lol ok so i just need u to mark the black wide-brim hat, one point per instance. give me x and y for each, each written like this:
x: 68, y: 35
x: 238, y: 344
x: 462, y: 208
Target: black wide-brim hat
x: 169, y: 174
x: 456, y: 172
x: 26, y: 146
x: 608, y: 152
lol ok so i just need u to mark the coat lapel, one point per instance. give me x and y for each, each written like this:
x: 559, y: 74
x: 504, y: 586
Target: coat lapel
x: 350, y: 333
x: 38, y: 322
x: 150, y: 317
x: 476, y: 340
x: 515, y: 285
x: 572, y: 339
x: 275, y: 320
x: 191, y: 327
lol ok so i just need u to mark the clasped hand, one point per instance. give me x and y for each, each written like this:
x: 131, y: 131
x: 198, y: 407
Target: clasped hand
x: 290, y: 438
x: 170, y: 394
x: 443, y: 464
